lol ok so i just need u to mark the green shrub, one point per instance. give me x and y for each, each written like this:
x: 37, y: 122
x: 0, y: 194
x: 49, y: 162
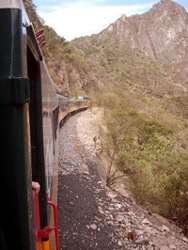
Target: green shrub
x: 146, y: 152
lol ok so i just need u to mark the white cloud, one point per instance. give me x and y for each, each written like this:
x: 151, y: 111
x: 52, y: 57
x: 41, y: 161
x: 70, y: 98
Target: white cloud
x: 82, y: 18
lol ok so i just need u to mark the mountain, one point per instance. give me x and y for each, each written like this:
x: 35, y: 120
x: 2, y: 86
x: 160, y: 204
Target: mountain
x: 161, y: 34
x: 142, y: 61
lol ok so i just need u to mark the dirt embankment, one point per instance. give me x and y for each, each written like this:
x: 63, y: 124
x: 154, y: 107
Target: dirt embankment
x: 92, y: 216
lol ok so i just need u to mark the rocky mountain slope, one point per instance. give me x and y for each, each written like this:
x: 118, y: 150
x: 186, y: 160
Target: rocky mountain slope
x: 161, y: 34
x: 141, y: 61
x: 106, y: 219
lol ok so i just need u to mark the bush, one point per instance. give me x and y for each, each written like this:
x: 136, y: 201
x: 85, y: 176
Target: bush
x: 157, y: 172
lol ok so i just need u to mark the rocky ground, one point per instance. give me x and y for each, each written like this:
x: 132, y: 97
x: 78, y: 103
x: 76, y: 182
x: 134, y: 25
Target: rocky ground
x: 92, y: 216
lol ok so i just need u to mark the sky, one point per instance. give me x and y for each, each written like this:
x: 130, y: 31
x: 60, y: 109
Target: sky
x: 76, y: 18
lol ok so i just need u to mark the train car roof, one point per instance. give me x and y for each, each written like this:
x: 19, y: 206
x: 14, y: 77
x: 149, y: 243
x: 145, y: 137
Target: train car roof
x: 10, y: 4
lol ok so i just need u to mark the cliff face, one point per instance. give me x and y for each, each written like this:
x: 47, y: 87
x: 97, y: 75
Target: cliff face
x: 161, y: 33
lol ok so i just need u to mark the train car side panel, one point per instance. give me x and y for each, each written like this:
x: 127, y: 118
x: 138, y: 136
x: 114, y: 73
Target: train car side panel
x: 14, y: 150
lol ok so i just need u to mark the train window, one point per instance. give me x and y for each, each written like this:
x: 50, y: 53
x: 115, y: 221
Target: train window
x: 33, y: 74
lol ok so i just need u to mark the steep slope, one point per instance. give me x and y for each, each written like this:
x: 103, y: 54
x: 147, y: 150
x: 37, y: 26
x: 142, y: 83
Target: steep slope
x: 68, y: 69
x: 161, y: 33
x: 138, y: 58
x: 141, y: 66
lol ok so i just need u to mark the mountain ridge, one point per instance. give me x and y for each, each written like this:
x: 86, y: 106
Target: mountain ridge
x: 161, y: 33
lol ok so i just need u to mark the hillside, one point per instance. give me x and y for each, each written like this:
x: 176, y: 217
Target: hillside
x: 141, y: 66
x: 161, y: 34
x: 68, y: 69
x: 137, y: 62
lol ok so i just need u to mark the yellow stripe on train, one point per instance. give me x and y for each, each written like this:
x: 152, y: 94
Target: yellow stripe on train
x: 45, y: 245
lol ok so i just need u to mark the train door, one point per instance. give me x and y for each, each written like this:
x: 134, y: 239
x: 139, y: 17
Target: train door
x: 37, y: 151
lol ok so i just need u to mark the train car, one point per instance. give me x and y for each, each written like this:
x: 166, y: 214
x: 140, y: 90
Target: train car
x: 28, y: 134
x: 68, y: 107
x: 30, y: 116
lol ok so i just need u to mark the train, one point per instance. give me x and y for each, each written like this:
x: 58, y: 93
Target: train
x: 31, y: 114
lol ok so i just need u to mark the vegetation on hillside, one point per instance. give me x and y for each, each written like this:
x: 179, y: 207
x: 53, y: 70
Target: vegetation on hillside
x: 67, y: 67
x: 146, y: 116
x: 151, y: 150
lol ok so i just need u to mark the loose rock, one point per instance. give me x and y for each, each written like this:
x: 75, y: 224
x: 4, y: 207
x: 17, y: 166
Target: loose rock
x: 91, y: 217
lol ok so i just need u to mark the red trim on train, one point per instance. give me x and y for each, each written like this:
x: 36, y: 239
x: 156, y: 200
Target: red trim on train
x: 37, y: 221
x: 55, y: 219
x: 43, y: 233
